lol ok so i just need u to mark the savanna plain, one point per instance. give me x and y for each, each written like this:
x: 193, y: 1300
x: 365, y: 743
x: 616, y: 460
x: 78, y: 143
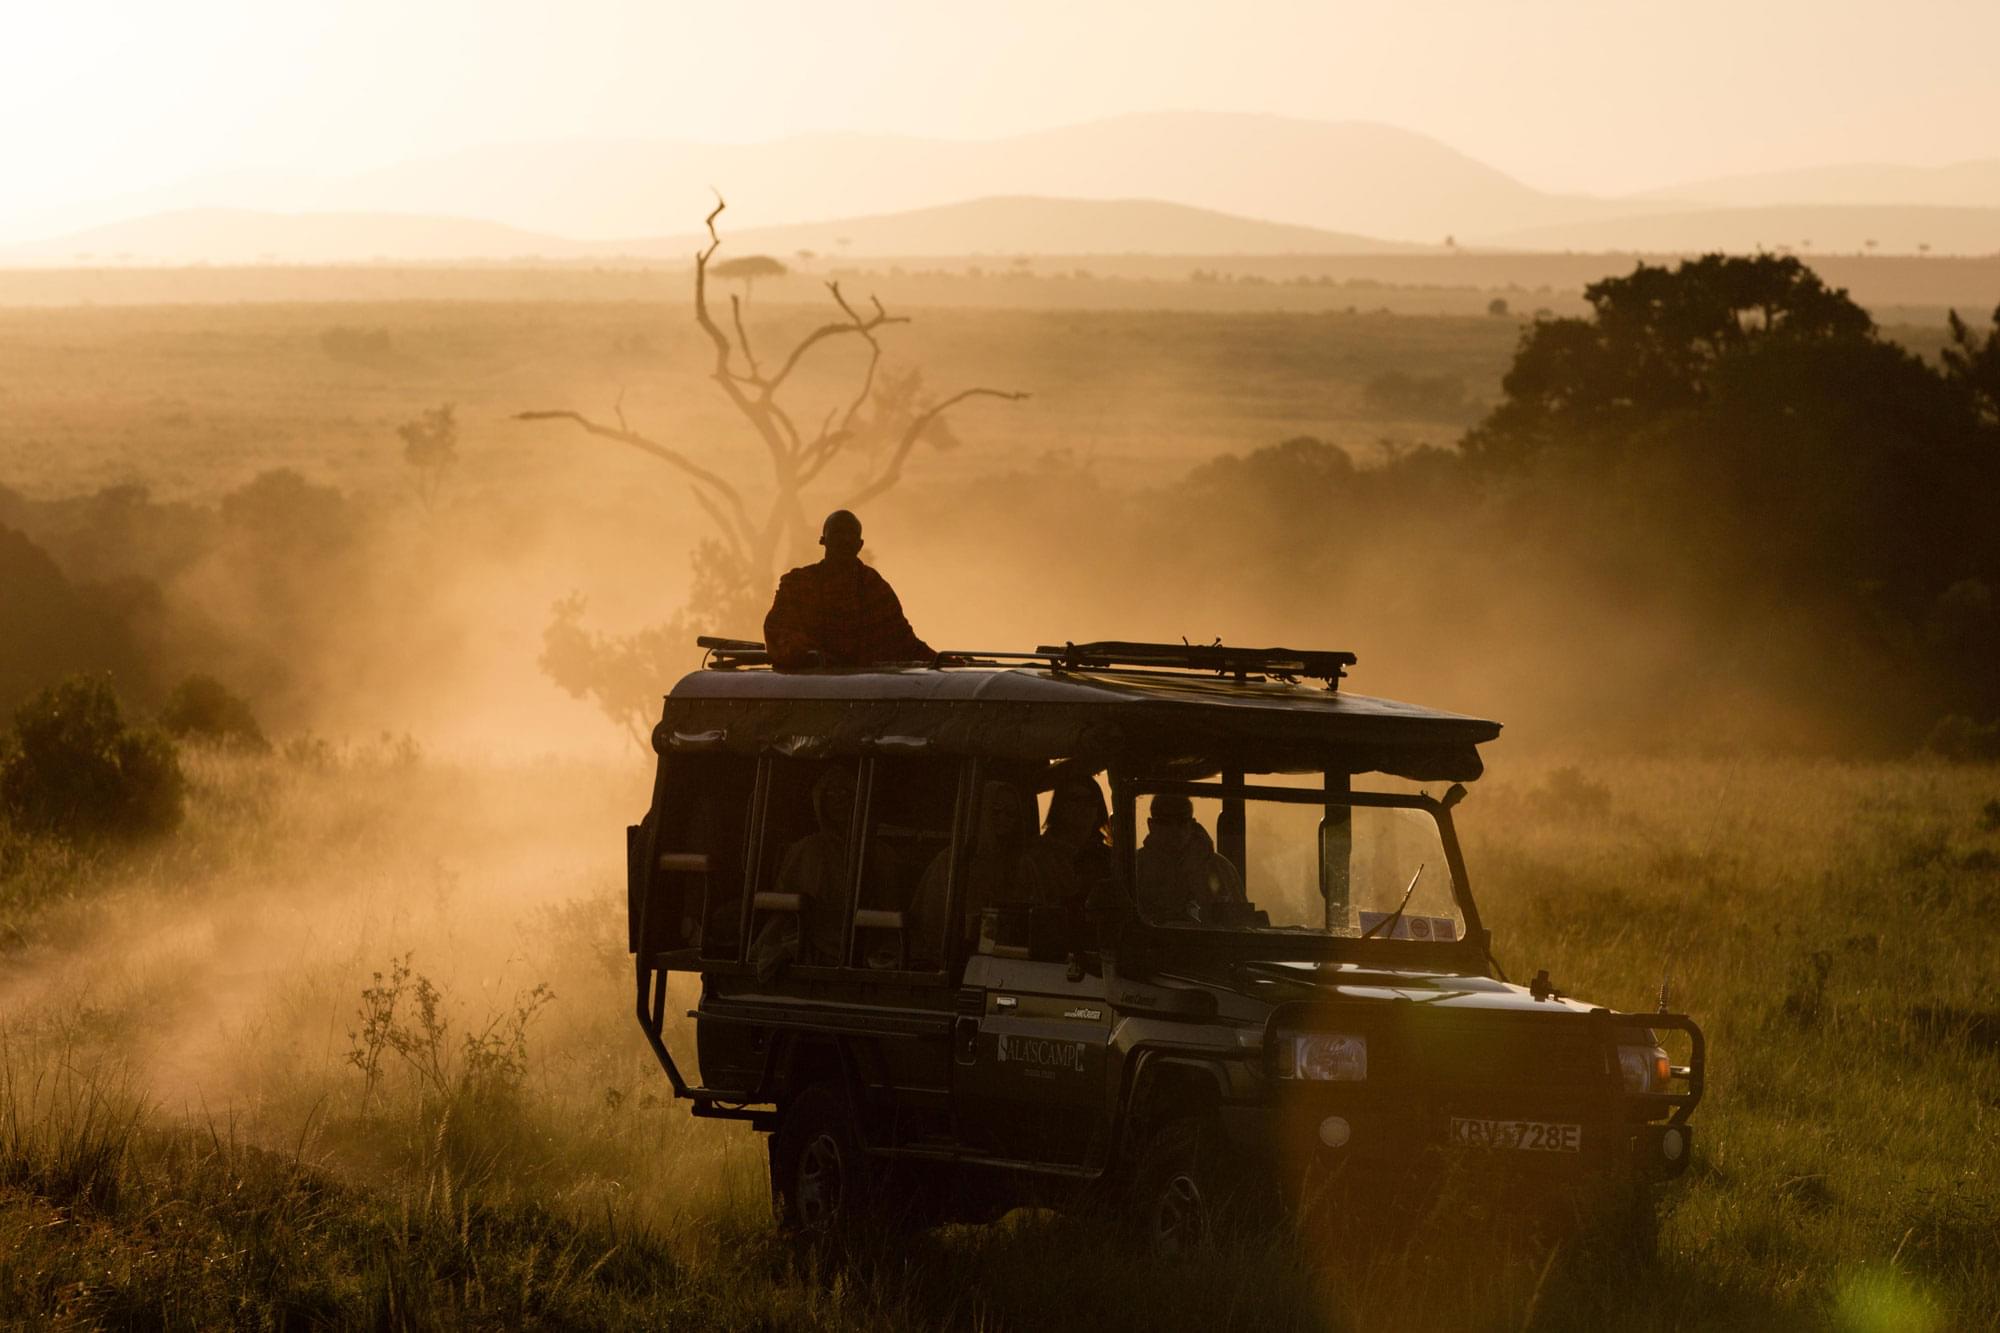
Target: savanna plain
x: 351, y: 1043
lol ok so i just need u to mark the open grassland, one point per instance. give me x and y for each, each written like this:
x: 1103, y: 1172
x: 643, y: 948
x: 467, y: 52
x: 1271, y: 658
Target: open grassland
x: 1458, y: 282
x: 193, y: 1131
x: 195, y: 400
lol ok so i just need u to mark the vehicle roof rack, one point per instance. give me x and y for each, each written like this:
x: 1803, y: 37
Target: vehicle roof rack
x: 1221, y: 658
x: 1286, y: 664
x: 726, y: 653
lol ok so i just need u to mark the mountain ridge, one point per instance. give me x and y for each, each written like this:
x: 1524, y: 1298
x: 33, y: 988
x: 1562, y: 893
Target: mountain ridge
x: 1364, y: 181
x: 1359, y: 177
x: 1000, y: 226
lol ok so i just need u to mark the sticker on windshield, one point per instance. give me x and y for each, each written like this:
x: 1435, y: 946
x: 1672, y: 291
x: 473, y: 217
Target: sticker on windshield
x: 1438, y: 929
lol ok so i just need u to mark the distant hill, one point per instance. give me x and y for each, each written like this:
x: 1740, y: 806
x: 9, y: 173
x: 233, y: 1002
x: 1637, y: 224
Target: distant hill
x: 977, y: 227
x: 1369, y: 179
x: 1804, y: 230
x: 1957, y: 185
x: 1348, y: 176
x: 1031, y: 226
x: 1333, y: 183
x: 243, y: 236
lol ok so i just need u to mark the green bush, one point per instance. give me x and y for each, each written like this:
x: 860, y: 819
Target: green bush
x: 72, y: 767
x: 1958, y: 737
x: 202, y: 708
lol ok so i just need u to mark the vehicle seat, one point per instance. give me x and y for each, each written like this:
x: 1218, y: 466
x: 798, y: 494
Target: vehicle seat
x: 882, y: 938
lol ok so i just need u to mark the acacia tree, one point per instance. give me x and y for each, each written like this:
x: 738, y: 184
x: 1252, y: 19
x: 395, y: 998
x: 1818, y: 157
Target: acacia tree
x: 1659, y: 342
x: 748, y: 269
x: 754, y: 523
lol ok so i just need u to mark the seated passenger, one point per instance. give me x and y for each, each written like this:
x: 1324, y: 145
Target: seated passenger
x: 1070, y: 865
x: 992, y: 873
x: 815, y: 868
x: 1181, y: 875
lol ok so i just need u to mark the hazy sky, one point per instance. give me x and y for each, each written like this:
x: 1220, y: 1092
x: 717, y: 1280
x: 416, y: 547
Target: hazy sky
x: 1593, y: 95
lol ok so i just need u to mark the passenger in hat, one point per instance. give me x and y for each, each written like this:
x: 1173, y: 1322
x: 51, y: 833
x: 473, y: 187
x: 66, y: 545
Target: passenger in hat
x: 839, y: 612
x: 1182, y: 878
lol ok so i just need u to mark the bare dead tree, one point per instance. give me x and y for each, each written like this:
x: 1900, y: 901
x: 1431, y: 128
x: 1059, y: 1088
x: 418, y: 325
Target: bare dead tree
x: 755, y: 536
x: 877, y: 427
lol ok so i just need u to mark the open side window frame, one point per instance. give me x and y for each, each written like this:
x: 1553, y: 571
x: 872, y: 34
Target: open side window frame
x: 847, y: 974
x: 1472, y: 948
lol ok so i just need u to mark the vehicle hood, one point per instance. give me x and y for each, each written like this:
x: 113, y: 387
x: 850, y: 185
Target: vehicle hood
x: 1291, y: 982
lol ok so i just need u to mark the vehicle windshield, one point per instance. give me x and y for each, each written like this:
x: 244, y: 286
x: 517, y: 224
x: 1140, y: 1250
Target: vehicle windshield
x: 1289, y: 860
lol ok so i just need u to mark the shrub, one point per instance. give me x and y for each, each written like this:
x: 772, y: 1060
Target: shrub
x: 362, y: 347
x: 75, y: 769
x: 202, y: 708
x: 1567, y: 794
x: 1398, y: 394
x: 430, y: 447
x: 1958, y: 737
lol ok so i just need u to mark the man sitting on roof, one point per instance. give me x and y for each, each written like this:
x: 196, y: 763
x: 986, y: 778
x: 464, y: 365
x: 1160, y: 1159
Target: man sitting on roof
x: 839, y: 612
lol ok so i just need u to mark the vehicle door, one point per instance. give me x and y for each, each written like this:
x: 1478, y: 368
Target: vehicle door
x: 1030, y: 1072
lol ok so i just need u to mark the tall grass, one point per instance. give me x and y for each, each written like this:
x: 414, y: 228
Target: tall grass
x: 185, y: 1141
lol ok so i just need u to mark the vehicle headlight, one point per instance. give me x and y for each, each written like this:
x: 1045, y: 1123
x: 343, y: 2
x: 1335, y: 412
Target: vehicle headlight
x: 1643, y: 1067
x: 1323, y: 1057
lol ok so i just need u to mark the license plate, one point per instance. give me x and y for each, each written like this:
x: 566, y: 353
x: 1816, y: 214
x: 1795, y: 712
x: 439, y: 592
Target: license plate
x: 1525, y: 1135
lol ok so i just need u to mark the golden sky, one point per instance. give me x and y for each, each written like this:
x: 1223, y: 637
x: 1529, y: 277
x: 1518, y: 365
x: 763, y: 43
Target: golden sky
x: 103, y: 98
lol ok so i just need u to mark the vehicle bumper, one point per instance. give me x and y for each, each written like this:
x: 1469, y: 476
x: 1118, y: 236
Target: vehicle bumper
x: 1375, y: 1136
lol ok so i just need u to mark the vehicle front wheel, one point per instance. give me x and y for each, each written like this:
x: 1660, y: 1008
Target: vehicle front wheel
x: 1621, y: 1223
x: 820, y: 1177
x: 1185, y: 1194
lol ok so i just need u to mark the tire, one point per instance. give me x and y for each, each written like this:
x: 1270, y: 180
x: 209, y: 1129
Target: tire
x: 1623, y: 1225
x: 1188, y: 1192
x: 821, y: 1180
x: 1616, y: 1223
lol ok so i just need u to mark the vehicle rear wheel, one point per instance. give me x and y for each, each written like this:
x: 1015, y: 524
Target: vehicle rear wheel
x: 820, y: 1176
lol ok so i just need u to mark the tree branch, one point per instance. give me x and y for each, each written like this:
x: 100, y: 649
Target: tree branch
x: 701, y: 317
x: 721, y: 521
x: 673, y: 458
x: 893, y: 473
x: 743, y: 340
x: 856, y: 323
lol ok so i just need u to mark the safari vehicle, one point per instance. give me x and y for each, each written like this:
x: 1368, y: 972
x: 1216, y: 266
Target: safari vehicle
x: 922, y: 1031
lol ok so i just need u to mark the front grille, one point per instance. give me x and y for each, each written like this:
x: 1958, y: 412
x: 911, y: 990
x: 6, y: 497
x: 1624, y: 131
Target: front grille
x: 1473, y: 1050
x: 1476, y: 1051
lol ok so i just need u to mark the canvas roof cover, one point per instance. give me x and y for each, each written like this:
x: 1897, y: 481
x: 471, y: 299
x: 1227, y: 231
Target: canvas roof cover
x: 1037, y: 712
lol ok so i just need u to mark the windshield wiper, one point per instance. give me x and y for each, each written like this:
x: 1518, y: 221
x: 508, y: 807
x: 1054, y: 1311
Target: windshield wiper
x: 1389, y: 922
